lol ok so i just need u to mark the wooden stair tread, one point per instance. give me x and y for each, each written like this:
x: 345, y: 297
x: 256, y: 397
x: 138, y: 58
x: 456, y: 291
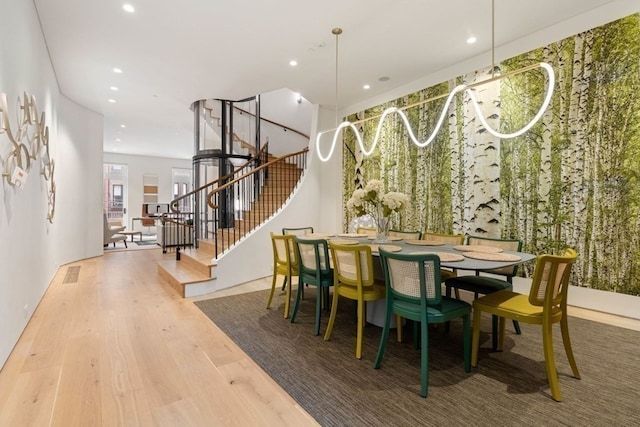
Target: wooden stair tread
x: 202, y: 255
x: 181, y: 272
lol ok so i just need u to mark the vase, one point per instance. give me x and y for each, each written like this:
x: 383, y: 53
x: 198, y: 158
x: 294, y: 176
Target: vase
x: 382, y: 222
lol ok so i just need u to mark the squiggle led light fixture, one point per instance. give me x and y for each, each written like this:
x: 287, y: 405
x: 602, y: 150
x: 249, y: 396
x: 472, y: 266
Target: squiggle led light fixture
x: 460, y: 88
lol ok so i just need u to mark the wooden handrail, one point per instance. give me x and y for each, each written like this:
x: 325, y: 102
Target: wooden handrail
x: 174, y: 203
x: 273, y: 123
x: 253, y: 172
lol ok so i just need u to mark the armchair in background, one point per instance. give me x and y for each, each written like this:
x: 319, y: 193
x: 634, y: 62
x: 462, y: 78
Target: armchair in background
x: 110, y: 233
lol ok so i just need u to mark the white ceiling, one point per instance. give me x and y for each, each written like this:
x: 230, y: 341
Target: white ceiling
x: 175, y: 52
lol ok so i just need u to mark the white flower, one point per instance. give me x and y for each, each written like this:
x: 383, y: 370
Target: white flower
x: 374, y: 201
x: 394, y: 201
x: 374, y: 190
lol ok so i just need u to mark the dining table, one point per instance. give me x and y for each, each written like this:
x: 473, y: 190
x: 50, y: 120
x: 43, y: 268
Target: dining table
x: 460, y: 257
x: 474, y: 258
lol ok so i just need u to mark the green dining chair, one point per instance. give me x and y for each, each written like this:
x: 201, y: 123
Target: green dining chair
x: 483, y: 285
x: 414, y: 292
x: 297, y: 231
x: 314, y: 269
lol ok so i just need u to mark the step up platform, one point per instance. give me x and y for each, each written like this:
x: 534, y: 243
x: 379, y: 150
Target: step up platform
x: 191, y: 275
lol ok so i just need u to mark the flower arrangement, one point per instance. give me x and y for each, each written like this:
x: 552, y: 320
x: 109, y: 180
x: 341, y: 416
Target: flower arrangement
x: 374, y: 201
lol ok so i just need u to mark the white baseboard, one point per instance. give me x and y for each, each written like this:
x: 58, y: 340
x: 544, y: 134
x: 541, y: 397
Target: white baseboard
x: 593, y: 299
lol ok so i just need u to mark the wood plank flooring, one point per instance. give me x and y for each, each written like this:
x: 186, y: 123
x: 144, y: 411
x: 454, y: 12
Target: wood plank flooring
x: 121, y: 347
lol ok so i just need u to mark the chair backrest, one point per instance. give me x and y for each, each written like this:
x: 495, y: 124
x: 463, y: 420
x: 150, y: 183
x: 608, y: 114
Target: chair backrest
x: 414, y: 235
x: 513, y: 245
x: 449, y: 239
x: 352, y: 264
x: 284, y: 252
x: 313, y: 255
x: 369, y: 231
x: 550, y: 282
x: 412, y: 277
x: 298, y: 231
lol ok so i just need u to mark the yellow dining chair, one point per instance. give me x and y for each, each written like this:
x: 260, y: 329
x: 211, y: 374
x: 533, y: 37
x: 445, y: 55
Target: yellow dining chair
x: 414, y: 292
x: 285, y: 262
x: 409, y: 235
x: 369, y: 231
x: 545, y: 305
x: 300, y: 231
x: 353, y: 279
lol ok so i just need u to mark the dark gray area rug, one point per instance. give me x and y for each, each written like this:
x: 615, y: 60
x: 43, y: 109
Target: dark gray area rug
x: 507, y: 388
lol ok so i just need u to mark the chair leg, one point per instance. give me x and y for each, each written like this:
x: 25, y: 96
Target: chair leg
x: 332, y: 316
x: 284, y: 284
x: 273, y: 288
x: 424, y: 358
x: 296, y: 306
x: 564, y: 328
x: 475, y: 344
x: 359, y: 335
x: 516, y: 326
x: 319, y: 293
x: 494, y: 332
x: 399, y: 327
x: 383, y: 339
x: 549, y: 361
x: 466, y: 336
x: 287, y: 297
x: 502, y: 323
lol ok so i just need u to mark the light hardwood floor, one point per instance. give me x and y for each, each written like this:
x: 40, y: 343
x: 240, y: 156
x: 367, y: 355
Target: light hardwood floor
x: 120, y: 347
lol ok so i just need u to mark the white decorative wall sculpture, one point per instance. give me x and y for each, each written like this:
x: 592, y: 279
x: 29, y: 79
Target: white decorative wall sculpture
x: 29, y: 142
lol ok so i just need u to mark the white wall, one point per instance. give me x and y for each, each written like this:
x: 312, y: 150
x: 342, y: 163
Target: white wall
x: 146, y: 165
x: 301, y: 211
x: 32, y: 249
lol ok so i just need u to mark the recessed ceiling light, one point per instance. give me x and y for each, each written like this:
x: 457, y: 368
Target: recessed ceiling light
x: 128, y: 8
x: 113, y: 88
x: 113, y: 101
x: 293, y: 62
x: 123, y: 126
x: 117, y: 139
x: 471, y: 40
x: 366, y: 87
x: 117, y: 70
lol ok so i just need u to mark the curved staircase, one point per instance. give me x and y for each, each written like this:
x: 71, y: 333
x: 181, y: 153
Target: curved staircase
x: 264, y: 186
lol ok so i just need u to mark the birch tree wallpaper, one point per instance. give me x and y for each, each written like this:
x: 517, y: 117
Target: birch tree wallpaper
x: 570, y: 181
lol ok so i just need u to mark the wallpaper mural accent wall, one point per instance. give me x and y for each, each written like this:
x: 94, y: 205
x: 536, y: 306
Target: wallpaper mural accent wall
x: 571, y: 181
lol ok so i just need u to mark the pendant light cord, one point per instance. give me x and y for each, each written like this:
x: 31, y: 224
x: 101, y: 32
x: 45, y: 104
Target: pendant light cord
x: 336, y: 32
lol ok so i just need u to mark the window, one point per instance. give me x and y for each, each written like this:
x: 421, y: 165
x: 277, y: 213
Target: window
x: 114, y: 190
x: 182, y: 186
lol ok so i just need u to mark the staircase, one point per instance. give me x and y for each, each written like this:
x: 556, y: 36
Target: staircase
x: 263, y: 190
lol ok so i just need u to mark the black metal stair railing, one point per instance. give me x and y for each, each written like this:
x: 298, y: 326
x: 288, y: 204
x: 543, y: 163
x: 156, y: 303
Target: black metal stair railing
x: 179, y: 229
x: 252, y: 193
x: 255, y: 196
